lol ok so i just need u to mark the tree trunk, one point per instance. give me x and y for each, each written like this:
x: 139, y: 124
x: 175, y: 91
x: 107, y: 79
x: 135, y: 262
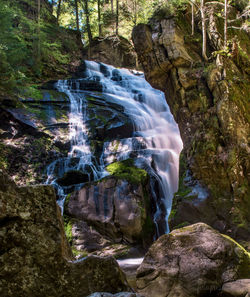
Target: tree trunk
x: 77, y: 16
x: 225, y: 25
x: 99, y: 17
x: 38, y: 54
x: 192, y: 19
x: 86, y: 11
x: 204, y: 33
x: 58, y: 10
x: 135, y: 12
x: 53, y: 4
x: 112, y: 6
x: 117, y: 17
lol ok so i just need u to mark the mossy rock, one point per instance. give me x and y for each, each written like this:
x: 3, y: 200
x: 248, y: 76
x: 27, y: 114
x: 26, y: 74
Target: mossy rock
x: 128, y: 171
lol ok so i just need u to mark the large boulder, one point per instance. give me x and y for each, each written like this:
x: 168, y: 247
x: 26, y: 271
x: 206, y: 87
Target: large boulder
x: 116, y: 209
x: 192, y: 261
x: 35, y: 257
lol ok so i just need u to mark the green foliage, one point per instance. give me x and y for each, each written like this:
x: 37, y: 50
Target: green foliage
x: 126, y: 170
x: 30, y: 50
x: 170, y: 8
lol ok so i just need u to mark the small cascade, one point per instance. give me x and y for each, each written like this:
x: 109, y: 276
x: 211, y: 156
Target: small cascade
x: 154, y: 142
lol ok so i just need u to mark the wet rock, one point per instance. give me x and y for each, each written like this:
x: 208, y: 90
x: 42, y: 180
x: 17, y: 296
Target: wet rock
x: 238, y: 288
x: 191, y: 261
x: 35, y: 257
x: 73, y: 177
x: 115, y: 207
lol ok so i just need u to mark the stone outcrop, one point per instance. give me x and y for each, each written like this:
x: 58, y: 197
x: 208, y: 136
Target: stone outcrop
x: 208, y: 100
x: 35, y: 257
x: 113, y: 210
x: 192, y: 261
x: 112, y: 50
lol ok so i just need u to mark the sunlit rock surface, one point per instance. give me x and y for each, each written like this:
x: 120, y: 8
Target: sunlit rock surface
x: 192, y: 261
x: 35, y: 258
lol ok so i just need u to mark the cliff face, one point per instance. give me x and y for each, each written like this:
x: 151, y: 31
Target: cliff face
x: 209, y: 102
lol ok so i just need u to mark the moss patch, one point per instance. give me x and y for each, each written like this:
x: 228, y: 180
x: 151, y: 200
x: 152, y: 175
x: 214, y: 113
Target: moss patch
x: 128, y: 171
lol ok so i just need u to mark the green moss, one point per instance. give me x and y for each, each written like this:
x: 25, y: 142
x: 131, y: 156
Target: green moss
x: 79, y: 253
x: 3, y: 156
x: 243, y: 257
x: 127, y: 170
x: 68, y: 230
x: 181, y: 225
x: 66, y: 202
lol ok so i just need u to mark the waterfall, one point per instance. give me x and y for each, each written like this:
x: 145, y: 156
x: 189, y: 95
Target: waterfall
x: 154, y: 142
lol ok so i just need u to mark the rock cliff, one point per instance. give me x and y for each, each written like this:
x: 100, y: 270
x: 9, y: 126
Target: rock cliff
x: 209, y: 101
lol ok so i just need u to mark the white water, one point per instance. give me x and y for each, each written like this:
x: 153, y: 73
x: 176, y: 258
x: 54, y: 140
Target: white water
x: 155, y: 141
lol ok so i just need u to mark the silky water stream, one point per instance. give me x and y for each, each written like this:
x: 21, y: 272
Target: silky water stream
x: 154, y: 141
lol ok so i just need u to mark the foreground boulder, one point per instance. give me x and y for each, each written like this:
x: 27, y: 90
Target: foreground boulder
x: 191, y: 261
x: 35, y: 258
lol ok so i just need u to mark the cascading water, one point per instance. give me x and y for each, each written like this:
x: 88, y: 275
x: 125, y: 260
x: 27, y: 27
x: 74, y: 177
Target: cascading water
x: 154, y: 143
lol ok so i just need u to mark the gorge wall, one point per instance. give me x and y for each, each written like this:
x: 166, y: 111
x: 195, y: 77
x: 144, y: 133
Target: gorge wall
x: 211, y: 110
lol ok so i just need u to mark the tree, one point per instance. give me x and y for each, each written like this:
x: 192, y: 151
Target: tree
x: 58, y: 10
x: 192, y: 6
x: 77, y: 15
x: 225, y: 25
x: 204, y: 29
x: 112, y: 5
x: 117, y: 17
x: 99, y: 17
x: 86, y: 11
